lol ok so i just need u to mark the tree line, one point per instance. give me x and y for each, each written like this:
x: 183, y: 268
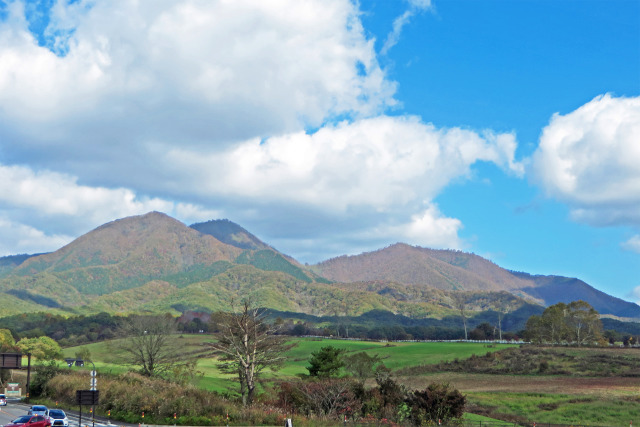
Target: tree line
x: 376, y: 325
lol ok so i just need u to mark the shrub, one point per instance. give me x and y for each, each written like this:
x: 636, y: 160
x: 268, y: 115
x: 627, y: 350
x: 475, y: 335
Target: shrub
x: 436, y: 403
x: 43, y: 374
x: 129, y: 395
x: 543, y: 366
x: 327, y: 397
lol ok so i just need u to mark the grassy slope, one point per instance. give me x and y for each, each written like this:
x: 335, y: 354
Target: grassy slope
x: 12, y: 305
x: 523, y: 398
x: 397, y: 355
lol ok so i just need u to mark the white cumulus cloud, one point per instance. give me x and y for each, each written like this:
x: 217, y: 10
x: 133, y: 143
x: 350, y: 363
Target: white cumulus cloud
x: 23, y: 239
x: 35, y: 201
x: 378, y: 163
x: 204, y: 72
x: 589, y: 159
x: 372, y: 181
x: 432, y: 229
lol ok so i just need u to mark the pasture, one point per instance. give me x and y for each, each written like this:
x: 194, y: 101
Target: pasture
x: 561, y: 399
x: 545, y: 399
x: 395, y: 355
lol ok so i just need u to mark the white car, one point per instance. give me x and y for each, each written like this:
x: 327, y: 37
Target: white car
x: 3, y: 400
x: 58, y: 418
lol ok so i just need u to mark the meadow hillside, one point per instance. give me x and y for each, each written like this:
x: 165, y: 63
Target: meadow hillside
x: 517, y: 384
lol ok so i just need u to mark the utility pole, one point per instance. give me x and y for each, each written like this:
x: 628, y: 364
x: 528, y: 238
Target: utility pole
x: 28, y: 376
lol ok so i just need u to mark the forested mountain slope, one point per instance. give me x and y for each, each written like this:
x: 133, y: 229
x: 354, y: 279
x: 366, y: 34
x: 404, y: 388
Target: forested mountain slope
x: 126, y: 253
x: 154, y: 263
x: 456, y: 270
x: 444, y: 269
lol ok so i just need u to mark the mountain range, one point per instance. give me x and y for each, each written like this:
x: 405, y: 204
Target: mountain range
x: 154, y: 263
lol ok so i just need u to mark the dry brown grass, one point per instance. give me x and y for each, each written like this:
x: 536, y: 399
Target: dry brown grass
x: 603, y: 386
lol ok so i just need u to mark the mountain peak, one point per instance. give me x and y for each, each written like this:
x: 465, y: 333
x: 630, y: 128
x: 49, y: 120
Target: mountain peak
x: 230, y: 233
x: 415, y: 265
x: 134, y: 249
x: 152, y: 218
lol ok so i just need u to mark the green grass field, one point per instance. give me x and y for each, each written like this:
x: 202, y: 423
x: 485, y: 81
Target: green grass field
x: 561, y: 408
x: 559, y: 400
x: 395, y: 356
x: 105, y: 354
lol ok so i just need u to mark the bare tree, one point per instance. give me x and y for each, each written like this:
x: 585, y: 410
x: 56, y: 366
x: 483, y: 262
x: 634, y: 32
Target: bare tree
x: 327, y: 397
x: 504, y: 306
x: 247, y: 345
x: 554, y: 323
x: 151, y: 343
x: 461, y: 303
x: 583, y: 322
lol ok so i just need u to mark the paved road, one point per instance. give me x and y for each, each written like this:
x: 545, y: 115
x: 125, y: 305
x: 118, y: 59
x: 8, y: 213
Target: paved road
x: 14, y: 409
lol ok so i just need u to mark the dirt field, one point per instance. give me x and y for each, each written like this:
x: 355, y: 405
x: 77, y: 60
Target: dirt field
x: 606, y: 386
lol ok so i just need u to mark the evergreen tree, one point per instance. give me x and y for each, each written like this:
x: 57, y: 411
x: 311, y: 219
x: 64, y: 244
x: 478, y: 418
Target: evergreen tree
x: 326, y: 362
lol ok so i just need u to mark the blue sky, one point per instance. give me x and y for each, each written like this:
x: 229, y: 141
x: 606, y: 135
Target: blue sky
x: 510, y: 129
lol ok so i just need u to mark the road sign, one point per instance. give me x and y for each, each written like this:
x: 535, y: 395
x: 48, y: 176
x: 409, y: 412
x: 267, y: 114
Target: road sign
x: 87, y: 397
x: 94, y: 383
x: 11, y: 360
x: 13, y: 390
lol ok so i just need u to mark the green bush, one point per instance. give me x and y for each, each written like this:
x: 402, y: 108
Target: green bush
x: 43, y: 373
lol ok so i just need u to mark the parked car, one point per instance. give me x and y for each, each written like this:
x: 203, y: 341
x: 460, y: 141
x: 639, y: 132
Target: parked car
x: 39, y: 410
x: 3, y: 400
x: 58, y: 418
x: 31, y: 421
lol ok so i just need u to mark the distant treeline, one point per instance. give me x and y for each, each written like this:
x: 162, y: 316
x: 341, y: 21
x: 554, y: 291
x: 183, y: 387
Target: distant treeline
x: 376, y: 325
x: 67, y: 331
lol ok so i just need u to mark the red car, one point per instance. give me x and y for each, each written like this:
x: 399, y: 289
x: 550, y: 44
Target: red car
x: 30, y: 421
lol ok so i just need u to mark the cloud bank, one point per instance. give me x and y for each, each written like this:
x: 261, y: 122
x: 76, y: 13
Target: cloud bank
x: 273, y: 113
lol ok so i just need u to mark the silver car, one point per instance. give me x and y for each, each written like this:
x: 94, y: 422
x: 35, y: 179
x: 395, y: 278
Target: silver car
x: 58, y: 418
x: 39, y: 410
